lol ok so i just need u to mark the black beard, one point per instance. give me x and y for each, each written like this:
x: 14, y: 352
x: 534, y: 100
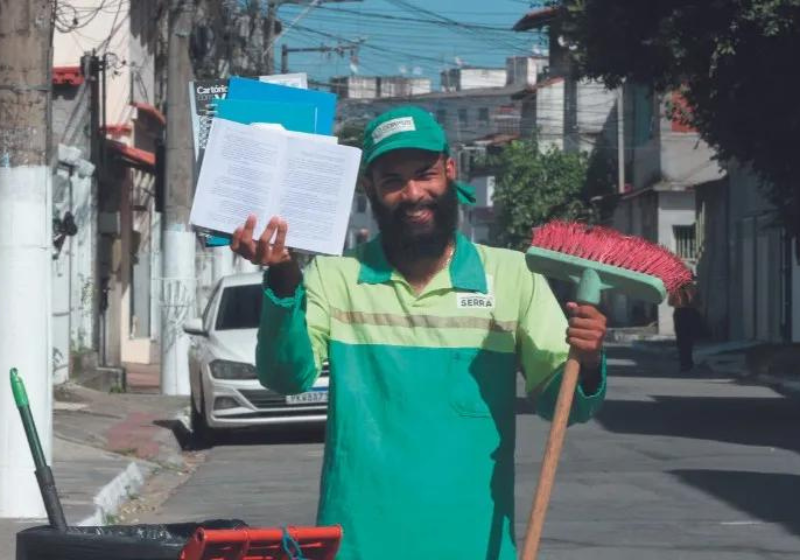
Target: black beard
x: 404, y: 241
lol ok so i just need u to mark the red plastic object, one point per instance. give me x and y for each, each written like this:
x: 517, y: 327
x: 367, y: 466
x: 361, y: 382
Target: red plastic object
x: 317, y: 543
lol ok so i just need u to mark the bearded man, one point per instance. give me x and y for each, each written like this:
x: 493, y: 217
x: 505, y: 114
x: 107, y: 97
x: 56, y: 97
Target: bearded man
x: 425, y: 333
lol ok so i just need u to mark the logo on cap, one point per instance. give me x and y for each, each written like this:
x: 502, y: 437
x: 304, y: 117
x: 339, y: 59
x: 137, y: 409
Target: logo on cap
x: 392, y: 127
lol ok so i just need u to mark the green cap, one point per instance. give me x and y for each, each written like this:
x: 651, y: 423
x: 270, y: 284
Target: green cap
x: 409, y: 127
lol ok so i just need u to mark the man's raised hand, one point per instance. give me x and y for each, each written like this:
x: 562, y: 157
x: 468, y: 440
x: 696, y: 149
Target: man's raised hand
x: 262, y: 251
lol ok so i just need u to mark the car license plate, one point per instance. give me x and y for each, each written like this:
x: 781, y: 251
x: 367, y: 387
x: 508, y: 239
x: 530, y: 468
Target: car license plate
x: 312, y: 397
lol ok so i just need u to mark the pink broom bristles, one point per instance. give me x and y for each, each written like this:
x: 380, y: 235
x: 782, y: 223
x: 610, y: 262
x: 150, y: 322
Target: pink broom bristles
x: 608, y: 246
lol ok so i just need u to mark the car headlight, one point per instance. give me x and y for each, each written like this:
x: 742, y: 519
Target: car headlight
x: 223, y: 369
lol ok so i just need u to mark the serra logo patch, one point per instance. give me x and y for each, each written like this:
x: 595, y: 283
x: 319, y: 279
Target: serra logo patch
x: 476, y: 300
x: 392, y: 127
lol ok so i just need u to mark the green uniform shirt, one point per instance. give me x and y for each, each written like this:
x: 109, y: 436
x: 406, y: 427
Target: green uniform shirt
x: 419, y: 453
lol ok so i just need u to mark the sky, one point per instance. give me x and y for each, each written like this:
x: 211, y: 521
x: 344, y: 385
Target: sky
x: 451, y: 32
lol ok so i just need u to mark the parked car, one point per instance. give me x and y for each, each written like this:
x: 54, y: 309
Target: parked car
x: 225, y: 390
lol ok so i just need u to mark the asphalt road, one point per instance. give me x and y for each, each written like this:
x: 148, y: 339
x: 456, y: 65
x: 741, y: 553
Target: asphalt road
x: 674, y: 467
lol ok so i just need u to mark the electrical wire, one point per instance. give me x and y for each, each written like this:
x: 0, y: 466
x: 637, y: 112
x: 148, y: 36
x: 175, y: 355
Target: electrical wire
x: 385, y: 28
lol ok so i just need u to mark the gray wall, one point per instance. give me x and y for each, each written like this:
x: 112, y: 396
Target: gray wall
x: 461, y: 115
x: 755, y: 253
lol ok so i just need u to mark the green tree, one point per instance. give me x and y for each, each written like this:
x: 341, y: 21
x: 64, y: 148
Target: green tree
x: 734, y: 61
x: 533, y: 187
x: 351, y: 133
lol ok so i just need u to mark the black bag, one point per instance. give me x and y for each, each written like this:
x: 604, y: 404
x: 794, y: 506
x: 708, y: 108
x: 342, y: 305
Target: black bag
x: 115, y: 542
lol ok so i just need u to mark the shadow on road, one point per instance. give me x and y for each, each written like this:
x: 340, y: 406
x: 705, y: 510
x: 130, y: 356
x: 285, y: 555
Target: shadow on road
x: 766, y: 422
x: 769, y: 497
x: 266, y: 435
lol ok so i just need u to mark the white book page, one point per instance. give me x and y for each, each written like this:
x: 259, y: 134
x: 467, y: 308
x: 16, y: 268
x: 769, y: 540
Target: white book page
x: 241, y: 171
x: 317, y: 194
x: 294, y: 134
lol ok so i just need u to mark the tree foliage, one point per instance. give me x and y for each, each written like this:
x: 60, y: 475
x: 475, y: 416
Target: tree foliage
x: 734, y: 60
x: 230, y: 38
x: 533, y: 187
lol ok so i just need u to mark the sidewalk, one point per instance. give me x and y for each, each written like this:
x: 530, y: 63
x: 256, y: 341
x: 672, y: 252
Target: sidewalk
x: 104, y: 447
x: 732, y: 359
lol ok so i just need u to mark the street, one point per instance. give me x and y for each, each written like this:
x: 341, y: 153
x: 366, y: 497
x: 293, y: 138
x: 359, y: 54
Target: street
x: 675, y: 467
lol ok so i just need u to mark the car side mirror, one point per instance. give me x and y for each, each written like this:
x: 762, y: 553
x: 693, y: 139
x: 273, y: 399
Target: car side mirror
x: 194, y: 327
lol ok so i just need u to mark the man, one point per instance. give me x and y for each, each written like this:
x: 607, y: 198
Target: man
x: 688, y: 324
x: 425, y: 333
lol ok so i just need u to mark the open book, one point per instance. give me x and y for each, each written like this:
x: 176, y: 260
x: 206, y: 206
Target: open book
x: 306, y: 179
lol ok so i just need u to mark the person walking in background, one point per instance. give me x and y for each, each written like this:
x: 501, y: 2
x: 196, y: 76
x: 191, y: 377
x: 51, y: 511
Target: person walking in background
x: 688, y: 324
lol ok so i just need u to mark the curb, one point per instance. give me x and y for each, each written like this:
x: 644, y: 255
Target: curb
x: 111, y: 496
x: 614, y: 335
x: 129, y: 481
x: 788, y: 387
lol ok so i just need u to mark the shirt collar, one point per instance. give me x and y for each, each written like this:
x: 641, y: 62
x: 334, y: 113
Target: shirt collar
x: 466, y: 268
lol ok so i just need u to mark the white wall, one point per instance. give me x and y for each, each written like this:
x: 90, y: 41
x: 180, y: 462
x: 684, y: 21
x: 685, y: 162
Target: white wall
x: 525, y: 70
x: 674, y: 209
x: 595, y: 106
x: 108, y: 31
x: 484, y: 190
x: 795, y: 296
x: 685, y: 158
x: 550, y: 115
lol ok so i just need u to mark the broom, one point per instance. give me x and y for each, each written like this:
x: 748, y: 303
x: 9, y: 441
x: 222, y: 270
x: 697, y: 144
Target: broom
x: 44, y: 476
x: 596, y: 259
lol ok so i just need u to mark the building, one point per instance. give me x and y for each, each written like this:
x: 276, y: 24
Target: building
x: 747, y: 269
x: 666, y: 162
x: 673, y: 191
x: 657, y: 163
x: 560, y: 109
x: 525, y: 70
x: 366, y: 87
x: 105, y: 114
x: 465, y: 115
x: 467, y: 78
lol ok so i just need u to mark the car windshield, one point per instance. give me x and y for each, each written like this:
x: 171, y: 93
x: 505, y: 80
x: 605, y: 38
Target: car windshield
x: 239, y: 308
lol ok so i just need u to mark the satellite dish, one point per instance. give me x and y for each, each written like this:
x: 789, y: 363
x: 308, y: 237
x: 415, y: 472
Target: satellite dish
x: 354, y: 68
x: 402, y: 69
x: 417, y: 71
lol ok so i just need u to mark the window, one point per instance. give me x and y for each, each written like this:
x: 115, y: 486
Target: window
x: 209, y: 306
x: 463, y: 117
x: 483, y: 116
x: 240, y: 308
x: 441, y: 116
x: 685, y: 241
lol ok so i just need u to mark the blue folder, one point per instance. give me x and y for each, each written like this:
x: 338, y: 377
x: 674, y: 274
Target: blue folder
x: 253, y: 90
x: 297, y: 117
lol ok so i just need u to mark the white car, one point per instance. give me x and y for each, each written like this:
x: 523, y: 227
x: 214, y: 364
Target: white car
x: 226, y: 392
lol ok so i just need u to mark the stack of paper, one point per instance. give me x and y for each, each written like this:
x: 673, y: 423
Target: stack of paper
x: 270, y: 153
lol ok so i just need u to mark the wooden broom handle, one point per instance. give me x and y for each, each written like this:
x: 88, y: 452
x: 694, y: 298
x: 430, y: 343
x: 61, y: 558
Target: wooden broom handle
x: 552, y: 454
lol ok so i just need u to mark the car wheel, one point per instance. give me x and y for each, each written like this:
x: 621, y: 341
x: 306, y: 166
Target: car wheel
x: 202, y: 433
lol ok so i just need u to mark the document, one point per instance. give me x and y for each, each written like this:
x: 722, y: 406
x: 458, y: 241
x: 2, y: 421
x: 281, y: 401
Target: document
x: 307, y: 180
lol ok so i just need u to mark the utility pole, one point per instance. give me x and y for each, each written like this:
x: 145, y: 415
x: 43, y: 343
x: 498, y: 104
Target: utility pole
x: 25, y: 244
x: 340, y: 49
x: 178, y: 254
x: 621, y: 139
x: 272, y: 12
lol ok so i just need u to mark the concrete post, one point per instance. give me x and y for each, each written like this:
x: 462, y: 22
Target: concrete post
x: 25, y: 244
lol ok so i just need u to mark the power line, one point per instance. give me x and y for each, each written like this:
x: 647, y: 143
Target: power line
x: 376, y: 15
